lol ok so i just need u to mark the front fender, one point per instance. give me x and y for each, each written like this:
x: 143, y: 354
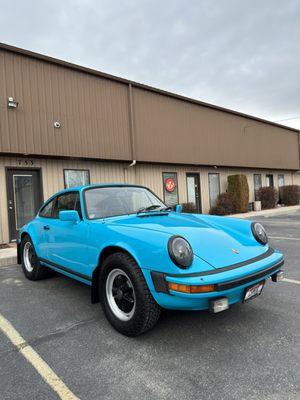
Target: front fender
x: 148, y: 248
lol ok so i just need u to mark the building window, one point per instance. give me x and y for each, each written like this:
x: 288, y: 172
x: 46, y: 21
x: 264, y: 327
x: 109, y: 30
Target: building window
x: 280, y: 180
x: 214, y: 188
x: 269, y: 180
x: 170, y: 188
x: 76, y: 177
x: 257, y: 184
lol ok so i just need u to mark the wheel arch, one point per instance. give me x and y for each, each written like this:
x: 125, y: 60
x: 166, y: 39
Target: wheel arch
x: 105, y: 252
x: 19, y: 253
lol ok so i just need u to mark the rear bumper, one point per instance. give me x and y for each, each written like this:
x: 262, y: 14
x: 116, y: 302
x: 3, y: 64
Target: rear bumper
x: 230, y: 284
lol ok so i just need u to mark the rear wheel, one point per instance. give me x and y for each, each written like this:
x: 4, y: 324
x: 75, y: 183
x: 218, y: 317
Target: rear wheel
x: 125, y: 297
x: 30, y: 263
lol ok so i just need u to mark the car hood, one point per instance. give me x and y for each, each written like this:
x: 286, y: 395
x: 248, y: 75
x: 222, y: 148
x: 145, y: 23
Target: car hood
x: 216, y: 244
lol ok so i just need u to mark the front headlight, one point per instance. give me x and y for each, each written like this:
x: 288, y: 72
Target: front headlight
x: 180, y: 251
x: 259, y: 233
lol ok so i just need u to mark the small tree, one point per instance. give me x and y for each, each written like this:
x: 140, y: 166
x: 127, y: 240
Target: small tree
x: 268, y: 197
x: 239, y: 190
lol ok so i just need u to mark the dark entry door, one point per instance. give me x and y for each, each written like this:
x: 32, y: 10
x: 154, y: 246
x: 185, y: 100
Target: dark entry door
x: 193, y: 190
x: 269, y: 180
x: 24, y: 197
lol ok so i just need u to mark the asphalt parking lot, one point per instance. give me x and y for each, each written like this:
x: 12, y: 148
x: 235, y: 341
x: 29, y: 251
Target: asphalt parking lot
x: 251, y: 351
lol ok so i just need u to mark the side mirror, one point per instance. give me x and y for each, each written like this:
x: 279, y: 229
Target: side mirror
x: 178, y: 208
x: 69, y: 215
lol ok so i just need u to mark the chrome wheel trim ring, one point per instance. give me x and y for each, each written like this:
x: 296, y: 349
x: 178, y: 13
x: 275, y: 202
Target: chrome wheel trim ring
x: 27, y: 256
x: 116, y: 310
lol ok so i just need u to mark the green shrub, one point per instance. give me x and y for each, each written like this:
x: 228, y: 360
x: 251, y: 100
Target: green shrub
x: 224, y: 205
x: 268, y: 197
x: 189, y: 208
x: 239, y: 190
x: 290, y: 195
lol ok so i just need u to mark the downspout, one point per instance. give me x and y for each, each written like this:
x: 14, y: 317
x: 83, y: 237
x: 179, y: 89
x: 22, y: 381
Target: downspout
x: 131, y: 135
x: 132, y: 164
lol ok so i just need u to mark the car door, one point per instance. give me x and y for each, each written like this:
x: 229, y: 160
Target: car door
x: 67, y: 240
x: 42, y: 223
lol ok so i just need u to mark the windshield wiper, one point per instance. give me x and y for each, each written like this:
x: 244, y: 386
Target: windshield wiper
x: 149, y: 208
x: 167, y: 209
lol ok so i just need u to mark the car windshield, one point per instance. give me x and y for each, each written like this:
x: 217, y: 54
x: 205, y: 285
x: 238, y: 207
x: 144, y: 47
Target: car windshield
x: 120, y: 200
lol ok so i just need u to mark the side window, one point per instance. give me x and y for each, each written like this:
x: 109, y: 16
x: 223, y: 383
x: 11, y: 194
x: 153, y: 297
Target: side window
x: 68, y: 201
x: 46, y: 211
x: 214, y: 188
x: 257, y: 184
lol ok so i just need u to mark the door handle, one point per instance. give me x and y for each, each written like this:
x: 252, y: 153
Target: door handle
x: 46, y: 227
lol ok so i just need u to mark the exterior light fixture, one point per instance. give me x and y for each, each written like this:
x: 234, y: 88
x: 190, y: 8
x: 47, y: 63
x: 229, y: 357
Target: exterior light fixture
x: 12, y: 103
x: 57, y: 124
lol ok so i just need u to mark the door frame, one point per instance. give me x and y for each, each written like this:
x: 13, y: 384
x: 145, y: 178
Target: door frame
x: 40, y: 192
x: 268, y: 176
x: 197, y: 174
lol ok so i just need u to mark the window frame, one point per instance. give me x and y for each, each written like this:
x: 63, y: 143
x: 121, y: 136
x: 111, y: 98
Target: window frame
x: 75, y: 169
x: 254, y: 175
x: 65, y: 194
x: 213, y: 173
x: 86, y: 214
x: 177, y: 188
x: 52, y: 199
x: 283, y: 176
x: 269, y: 176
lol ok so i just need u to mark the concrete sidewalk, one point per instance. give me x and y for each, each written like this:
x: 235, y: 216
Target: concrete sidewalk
x: 267, y: 213
x: 8, y: 256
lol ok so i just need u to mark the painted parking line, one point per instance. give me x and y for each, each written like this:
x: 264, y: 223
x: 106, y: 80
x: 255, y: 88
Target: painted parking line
x: 36, y: 361
x: 291, y: 281
x: 283, y: 238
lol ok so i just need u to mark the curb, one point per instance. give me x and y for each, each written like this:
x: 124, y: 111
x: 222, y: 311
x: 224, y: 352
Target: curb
x: 8, y: 256
x: 4, y: 262
x: 267, y: 213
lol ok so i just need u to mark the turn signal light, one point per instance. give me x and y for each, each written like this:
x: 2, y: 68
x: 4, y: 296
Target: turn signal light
x: 190, y: 288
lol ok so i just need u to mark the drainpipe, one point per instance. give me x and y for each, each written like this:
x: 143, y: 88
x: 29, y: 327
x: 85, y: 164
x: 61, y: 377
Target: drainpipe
x: 132, y: 164
x: 131, y: 133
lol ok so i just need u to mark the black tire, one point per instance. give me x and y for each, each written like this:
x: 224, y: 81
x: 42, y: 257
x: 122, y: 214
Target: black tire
x: 37, y: 271
x: 146, y: 311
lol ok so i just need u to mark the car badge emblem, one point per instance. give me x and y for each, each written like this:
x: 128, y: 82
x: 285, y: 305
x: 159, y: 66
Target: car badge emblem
x: 235, y: 251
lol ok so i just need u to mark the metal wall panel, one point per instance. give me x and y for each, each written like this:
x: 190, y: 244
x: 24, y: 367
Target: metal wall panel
x: 93, y: 111
x: 175, y: 131
x: 149, y: 175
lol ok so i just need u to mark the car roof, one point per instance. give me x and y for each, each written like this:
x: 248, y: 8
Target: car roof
x: 94, y: 185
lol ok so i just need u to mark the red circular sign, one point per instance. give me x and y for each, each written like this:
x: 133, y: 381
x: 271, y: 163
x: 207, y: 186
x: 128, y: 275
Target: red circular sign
x: 170, y: 185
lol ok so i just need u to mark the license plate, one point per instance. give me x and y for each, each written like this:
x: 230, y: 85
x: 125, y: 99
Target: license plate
x: 253, y: 291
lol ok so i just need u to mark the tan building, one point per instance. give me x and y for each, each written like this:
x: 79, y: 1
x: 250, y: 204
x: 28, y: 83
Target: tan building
x: 63, y: 124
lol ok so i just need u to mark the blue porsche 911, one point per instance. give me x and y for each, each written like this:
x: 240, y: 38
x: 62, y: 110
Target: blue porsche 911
x: 140, y: 256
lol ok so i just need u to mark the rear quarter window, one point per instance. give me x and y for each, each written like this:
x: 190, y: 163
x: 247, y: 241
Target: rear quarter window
x: 46, y: 211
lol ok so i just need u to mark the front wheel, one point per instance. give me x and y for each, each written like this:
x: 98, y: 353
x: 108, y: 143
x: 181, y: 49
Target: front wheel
x: 125, y: 297
x: 30, y: 263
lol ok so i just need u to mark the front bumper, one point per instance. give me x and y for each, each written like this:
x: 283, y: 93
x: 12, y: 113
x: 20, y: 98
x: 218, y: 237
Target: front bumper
x: 228, y: 282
